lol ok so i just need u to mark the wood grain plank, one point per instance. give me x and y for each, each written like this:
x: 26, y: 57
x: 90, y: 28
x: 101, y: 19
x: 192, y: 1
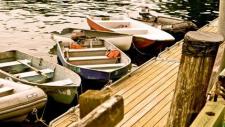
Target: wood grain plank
x: 128, y: 84
x: 146, y: 105
x: 160, y: 114
x: 145, y: 77
x: 148, y: 83
x: 136, y: 99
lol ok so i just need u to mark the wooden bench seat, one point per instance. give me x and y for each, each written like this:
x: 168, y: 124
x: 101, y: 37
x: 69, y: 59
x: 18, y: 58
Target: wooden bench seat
x: 89, y: 60
x: 99, y: 66
x: 14, y: 66
x: 13, y: 63
x: 4, y: 91
x: 86, y: 52
x: 34, y: 76
x: 59, y: 83
x: 87, y: 49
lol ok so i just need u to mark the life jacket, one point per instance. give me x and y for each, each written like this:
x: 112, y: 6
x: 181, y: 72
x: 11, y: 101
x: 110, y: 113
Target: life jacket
x: 113, y: 54
x: 75, y: 46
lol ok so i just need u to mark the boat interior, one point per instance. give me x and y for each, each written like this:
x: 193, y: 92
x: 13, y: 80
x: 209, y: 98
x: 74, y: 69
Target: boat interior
x: 123, y: 26
x: 94, y: 54
x: 27, y: 69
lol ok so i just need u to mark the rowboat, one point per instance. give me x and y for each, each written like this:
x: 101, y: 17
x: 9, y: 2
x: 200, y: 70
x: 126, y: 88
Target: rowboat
x: 95, y: 59
x: 121, y: 41
x: 58, y: 82
x: 144, y: 35
x: 17, y: 100
x: 171, y: 25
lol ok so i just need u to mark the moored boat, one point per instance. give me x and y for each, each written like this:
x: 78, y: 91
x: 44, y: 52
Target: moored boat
x: 17, y: 100
x: 58, y: 82
x: 92, y: 58
x: 121, y: 41
x: 169, y: 24
x: 144, y: 35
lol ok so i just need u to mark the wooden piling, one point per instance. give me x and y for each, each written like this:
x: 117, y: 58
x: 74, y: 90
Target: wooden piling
x: 198, y: 55
x: 91, y: 99
x: 221, y: 27
x: 108, y: 114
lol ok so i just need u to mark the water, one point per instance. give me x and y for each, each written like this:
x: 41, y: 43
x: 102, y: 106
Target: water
x: 26, y: 24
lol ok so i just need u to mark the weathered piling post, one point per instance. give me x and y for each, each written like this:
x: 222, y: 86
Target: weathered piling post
x: 198, y: 55
x: 107, y: 114
x: 221, y: 27
x: 91, y: 99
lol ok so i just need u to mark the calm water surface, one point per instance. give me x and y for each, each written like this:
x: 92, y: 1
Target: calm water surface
x: 26, y: 24
x: 44, y: 15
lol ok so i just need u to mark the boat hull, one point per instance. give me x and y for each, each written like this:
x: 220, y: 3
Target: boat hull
x: 25, y: 99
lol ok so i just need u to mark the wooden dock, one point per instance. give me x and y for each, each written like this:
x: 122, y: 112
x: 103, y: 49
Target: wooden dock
x: 148, y: 91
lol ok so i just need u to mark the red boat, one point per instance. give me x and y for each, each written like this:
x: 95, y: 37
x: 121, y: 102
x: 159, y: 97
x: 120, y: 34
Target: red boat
x: 144, y: 35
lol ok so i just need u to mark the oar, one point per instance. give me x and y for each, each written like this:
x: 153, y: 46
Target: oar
x: 33, y: 68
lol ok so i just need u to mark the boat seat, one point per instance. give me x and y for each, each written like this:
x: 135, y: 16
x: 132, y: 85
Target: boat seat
x: 34, y: 76
x: 59, y: 83
x: 15, y: 66
x: 13, y: 63
x: 99, y: 66
x: 87, y: 49
x: 131, y: 30
x: 86, y: 52
x: 114, y: 23
x: 89, y: 60
x: 4, y: 91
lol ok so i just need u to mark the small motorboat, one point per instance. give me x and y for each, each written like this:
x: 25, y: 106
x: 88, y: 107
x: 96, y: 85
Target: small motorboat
x: 169, y: 24
x: 58, y: 82
x: 18, y: 100
x: 143, y: 34
x: 92, y: 58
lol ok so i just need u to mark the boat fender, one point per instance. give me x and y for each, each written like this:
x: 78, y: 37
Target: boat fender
x: 113, y: 54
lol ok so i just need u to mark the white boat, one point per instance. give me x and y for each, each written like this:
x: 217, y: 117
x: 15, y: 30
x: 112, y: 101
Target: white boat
x: 144, y: 35
x: 17, y: 100
x: 91, y: 60
x: 58, y: 82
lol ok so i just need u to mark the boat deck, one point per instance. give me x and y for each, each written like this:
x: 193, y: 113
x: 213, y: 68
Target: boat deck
x: 148, y: 91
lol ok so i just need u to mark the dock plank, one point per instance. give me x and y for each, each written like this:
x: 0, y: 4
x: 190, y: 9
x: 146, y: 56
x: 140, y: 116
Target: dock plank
x: 159, y: 115
x: 131, y: 102
x: 132, y: 77
x: 149, y: 82
x: 150, y: 74
x: 161, y: 122
x: 144, y: 106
